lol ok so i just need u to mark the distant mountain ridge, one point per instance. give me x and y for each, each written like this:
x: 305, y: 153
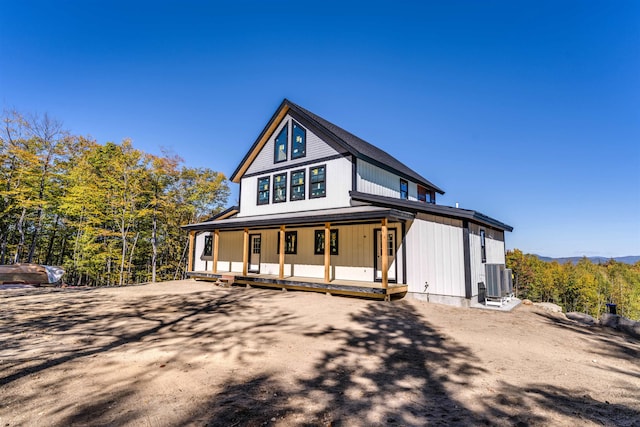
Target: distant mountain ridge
x: 594, y: 259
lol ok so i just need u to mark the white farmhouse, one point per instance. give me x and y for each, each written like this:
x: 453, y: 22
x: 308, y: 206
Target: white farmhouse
x: 321, y: 209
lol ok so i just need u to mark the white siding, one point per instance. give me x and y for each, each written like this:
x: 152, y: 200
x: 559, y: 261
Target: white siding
x: 435, y: 255
x: 495, y: 253
x: 316, y: 149
x: 338, y: 184
x: 198, y: 263
x: 375, y: 180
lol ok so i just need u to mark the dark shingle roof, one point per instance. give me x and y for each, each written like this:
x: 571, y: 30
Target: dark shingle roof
x: 354, y: 145
x: 440, y: 210
x: 362, y: 149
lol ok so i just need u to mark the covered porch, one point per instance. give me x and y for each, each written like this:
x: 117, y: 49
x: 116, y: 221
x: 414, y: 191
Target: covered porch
x: 334, y: 274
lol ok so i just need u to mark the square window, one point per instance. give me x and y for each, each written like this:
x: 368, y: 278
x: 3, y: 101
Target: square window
x: 263, y: 191
x: 290, y: 242
x: 298, y: 141
x: 280, y: 188
x: 319, y: 242
x: 297, y: 185
x: 317, y: 185
x: 280, y: 149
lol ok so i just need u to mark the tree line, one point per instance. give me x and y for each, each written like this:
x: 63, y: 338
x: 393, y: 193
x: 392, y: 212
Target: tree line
x: 110, y: 214
x: 584, y: 287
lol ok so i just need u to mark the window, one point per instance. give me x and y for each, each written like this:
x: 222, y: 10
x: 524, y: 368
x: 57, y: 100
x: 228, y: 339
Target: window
x: 263, y: 191
x: 290, y: 242
x: 317, y: 182
x: 424, y: 195
x: 280, y: 154
x: 297, y: 185
x: 207, y: 246
x: 280, y: 188
x: 319, y: 242
x: 404, y: 189
x: 483, y: 248
x: 299, y: 141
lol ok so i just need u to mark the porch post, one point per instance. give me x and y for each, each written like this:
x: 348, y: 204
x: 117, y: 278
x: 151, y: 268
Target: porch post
x: 281, y: 249
x: 216, y: 237
x: 385, y: 254
x: 192, y: 236
x: 245, y: 252
x: 327, y: 252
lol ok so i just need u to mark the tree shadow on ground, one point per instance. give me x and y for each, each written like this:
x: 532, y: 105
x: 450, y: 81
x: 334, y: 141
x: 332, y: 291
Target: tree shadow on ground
x: 76, y: 326
x: 393, y: 368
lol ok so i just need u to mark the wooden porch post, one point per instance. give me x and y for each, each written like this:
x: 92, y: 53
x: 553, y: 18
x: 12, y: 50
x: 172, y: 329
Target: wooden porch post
x: 327, y: 252
x: 216, y: 237
x: 385, y: 254
x: 245, y: 252
x: 281, y: 248
x: 192, y: 236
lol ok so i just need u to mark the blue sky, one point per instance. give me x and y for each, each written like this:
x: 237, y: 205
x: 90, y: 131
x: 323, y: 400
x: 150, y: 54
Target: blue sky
x: 526, y: 111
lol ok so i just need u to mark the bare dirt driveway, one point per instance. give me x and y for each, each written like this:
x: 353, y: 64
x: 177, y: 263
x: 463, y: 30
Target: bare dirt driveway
x: 191, y: 353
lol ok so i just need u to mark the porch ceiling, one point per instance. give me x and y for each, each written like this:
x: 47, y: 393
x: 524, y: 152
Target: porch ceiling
x: 338, y: 215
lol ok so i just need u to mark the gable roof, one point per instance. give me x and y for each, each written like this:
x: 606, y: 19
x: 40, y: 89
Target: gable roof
x: 354, y: 145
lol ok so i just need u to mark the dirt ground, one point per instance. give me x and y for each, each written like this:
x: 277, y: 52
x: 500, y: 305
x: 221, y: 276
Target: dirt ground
x: 191, y: 353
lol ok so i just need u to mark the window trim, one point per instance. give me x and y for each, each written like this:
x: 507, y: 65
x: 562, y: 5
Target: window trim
x: 311, y: 196
x: 294, y: 249
x: 319, y: 234
x: 295, y: 124
x: 406, y: 193
x: 291, y: 185
x: 268, y: 189
x: 274, y: 188
x: 284, y: 130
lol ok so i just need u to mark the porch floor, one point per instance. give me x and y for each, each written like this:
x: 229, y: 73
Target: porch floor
x: 339, y: 287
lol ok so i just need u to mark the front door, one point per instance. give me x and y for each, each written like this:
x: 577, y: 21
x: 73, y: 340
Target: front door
x: 255, y: 243
x: 391, y: 251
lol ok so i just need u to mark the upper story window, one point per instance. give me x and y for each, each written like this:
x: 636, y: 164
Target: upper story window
x: 425, y: 195
x: 263, y: 191
x: 280, y: 154
x: 404, y: 189
x: 297, y: 185
x: 299, y: 141
x: 318, y: 179
x: 280, y: 188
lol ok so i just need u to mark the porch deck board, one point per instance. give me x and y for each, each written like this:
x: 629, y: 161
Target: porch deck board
x: 344, y: 287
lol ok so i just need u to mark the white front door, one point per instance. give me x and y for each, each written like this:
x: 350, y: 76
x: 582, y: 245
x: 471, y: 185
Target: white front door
x: 391, y: 252
x: 255, y: 243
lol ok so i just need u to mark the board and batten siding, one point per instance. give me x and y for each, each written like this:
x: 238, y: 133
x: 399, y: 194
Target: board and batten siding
x: 316, y: 149
x: 495, y: 253
x: 435, y: 256
x: 375, y: 180
x: 338, y: 185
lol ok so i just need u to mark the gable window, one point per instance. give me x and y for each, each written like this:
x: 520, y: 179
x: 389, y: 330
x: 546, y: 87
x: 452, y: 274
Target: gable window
x: 297, y: 185
x: 280, y: 188
x: 319, y: 242
x: 280, y: 154
x: 290, y: 242
x: 317, y: 185
x: 298, y: 141
x: 483, y: 248
x: 263, y: 191
x: 404, y: 189
x: 424, y: 195
x: 207, y: 246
